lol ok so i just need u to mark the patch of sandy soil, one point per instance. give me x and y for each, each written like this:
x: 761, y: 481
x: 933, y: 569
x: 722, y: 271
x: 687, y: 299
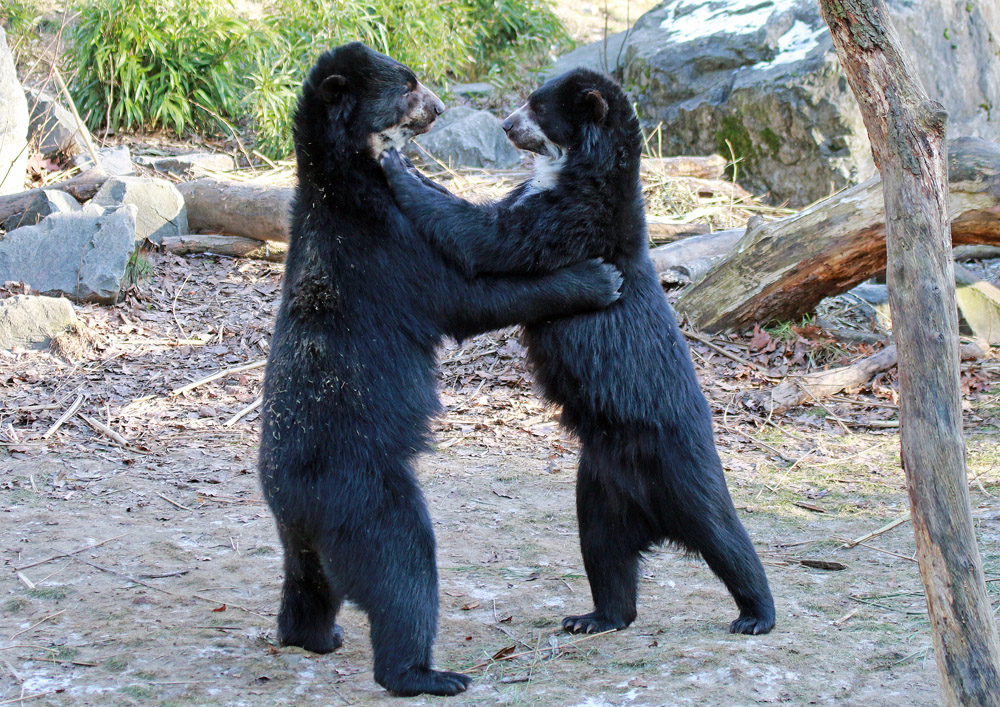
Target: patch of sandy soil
x: 149, y: 574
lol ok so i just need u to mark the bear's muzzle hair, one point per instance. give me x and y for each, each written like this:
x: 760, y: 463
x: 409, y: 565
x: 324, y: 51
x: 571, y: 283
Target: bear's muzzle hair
x: 524, y: 131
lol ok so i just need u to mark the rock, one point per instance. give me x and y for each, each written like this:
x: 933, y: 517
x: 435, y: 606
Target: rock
x: 13, y: 124
x: 193, y: 163
x: 467, y: 137
x: 81, y: 255
x: 30, y: 322
x: 45, y: 203
x: 55, y: 128
x: 161, y: 207
x: 762, y: 76
x: 472, y: 89
x: 115, y: 160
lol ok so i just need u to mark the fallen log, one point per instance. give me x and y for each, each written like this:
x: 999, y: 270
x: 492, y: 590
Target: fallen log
x: 708, y: 167
x: 684, y: 261
x: 813, y: 387
x: 82, y: 187
x: 233, y: 246
x: 782, y: 269
x: 663, y: 230
x: 238, y: 209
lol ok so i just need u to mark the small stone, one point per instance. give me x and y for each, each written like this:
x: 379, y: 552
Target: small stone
x: 116, y: 161
x: 30, y: 322
x: 161, y: 207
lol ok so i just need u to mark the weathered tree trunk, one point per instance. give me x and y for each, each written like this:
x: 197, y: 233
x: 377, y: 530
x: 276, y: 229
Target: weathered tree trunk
x: 235, y: 246
x: 907, y: 137
x: 251, y: 210
x: 782, y: 269
x: 81, y: 187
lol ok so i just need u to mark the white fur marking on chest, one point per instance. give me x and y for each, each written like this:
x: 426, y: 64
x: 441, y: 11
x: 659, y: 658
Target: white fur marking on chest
x: 396, y: 136
x: 546, y: 174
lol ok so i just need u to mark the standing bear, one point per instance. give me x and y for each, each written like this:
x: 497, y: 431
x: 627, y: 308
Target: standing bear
x: 649, y: 471
x: 350, y: 383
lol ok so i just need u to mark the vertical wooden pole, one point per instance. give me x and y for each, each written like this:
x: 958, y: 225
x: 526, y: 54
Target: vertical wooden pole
x: 907, y: 136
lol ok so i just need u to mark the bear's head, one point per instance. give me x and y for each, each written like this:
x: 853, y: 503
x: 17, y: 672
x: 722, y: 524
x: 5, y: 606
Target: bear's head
x: 581, y: 110
x: 360, y: 99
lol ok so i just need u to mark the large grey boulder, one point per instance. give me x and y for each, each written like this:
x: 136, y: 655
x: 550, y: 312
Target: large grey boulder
x: 54, y: 127
x: 81, y: 255
x: 45, y: 203
x: 762, y: 77
x: 30, y: 322
x: 161, y: 209
x: 466, y: 137
x: 13, y: 124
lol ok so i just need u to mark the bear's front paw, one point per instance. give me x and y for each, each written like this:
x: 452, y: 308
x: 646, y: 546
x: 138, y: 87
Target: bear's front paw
x: 392, y: 162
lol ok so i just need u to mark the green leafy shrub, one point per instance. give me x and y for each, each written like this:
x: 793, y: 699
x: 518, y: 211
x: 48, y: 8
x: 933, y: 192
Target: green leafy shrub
x: 172, y: 65
x: 182, y: 64
x: 505, y: 30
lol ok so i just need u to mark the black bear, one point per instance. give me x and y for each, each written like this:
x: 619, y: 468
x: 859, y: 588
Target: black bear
x: 649, y: 471
x: 350, y: 381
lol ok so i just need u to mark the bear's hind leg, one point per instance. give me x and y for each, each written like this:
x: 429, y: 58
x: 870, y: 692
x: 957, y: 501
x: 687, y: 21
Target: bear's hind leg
x: 611, y: 550
x: 716, y: 533
x: 397, y: 587
x: 308, y: 605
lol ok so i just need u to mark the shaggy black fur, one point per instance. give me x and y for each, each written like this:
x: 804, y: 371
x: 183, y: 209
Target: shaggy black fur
x: 350, y: 381
x: 649, y: 471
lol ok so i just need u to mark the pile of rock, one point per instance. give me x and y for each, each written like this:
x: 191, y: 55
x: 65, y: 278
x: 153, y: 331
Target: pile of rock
x: 58, y: 246
x: 761, y: 78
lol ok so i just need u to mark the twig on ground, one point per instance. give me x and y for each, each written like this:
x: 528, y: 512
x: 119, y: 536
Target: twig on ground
x: 220, y: 374
x: 173, y: 307
x: 104, y: 429
x: 875, y: 533
x: 70, y: 411
x: 36, y: 625
x: 718, y: 349
x: 68, y: 554
x: 173, y: 502
x: 244, y: 412
x: 492, y: 661
x: 763, y: 445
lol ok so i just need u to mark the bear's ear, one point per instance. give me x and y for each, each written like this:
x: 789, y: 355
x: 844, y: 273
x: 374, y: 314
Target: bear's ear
x: 595, y: 104
x: 332, y: 88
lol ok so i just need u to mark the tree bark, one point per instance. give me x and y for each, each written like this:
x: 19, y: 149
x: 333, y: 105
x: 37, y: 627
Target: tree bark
x: 907, y: 136
x: 251, y: 210
x: 783, y: 269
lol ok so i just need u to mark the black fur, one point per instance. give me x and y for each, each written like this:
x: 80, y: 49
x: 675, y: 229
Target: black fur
x: 350, y: 381
x: 649, y: 471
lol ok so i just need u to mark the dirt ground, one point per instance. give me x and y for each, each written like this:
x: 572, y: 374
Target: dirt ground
x: 168, y: 597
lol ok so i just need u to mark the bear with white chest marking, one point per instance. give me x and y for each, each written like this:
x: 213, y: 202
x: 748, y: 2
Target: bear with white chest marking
x: 350, y: 383
x: 649, y: 471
